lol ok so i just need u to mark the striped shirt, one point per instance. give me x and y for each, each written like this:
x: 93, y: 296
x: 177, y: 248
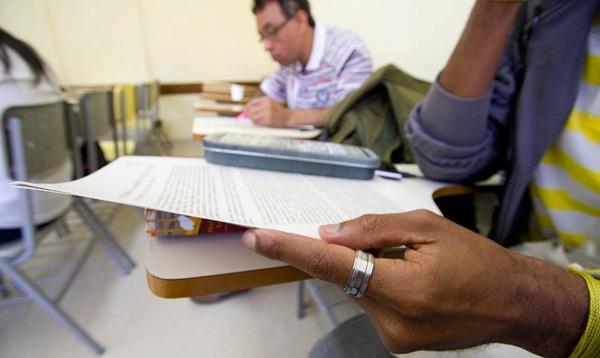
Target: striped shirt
x: 339, y: 63
x: 566, y: 185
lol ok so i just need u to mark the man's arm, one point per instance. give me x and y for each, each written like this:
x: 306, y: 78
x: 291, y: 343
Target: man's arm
x: 472, y: 66
x: 454, y: 133
x: 313, y: 116
x: 257, y: 93
x: 266, y: 108
x: 267, y: 111
x: 453, y: 289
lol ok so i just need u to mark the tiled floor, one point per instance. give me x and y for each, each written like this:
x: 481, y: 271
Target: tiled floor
x: 122, y: 314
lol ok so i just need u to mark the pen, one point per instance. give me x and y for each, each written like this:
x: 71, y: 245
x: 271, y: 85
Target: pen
x: 389, y: 171
x: 305, y: 127
x: 396, y: 175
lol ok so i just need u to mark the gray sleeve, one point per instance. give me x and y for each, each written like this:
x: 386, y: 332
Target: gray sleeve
x: 462, y: 139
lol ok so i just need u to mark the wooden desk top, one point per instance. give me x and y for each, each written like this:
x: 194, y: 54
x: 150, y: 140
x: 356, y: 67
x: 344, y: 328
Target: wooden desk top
x: 196, y: 266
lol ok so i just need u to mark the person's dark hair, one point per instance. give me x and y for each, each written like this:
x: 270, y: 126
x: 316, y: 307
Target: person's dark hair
x: 33, y: 60
x: 289, y: 8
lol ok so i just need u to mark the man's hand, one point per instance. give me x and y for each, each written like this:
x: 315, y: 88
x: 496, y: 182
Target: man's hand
x: 453, y: 288
x: 266, y: 111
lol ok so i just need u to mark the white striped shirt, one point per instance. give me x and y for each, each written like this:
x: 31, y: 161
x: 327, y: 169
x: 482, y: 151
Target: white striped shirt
x: 566, y: 185
x: 339, y: 63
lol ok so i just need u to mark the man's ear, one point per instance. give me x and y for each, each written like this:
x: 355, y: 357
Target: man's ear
x: 302, y: 17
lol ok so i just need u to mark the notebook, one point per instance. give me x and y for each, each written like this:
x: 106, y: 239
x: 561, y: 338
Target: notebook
x: 204, y: 126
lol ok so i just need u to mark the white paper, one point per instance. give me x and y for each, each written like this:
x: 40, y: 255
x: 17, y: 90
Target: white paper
x: 211, y: 125
x: 254, y: 198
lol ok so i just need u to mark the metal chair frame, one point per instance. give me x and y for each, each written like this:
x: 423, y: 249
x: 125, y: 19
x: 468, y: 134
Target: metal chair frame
x: 23, y: 164
x: 149, y: 124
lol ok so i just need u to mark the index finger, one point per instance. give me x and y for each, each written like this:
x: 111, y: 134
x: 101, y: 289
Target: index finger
x: 256, y: 101
x: 325, y: 261
x: 322, y: 260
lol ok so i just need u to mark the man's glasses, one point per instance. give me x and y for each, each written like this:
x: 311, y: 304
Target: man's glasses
x: 271, y: 32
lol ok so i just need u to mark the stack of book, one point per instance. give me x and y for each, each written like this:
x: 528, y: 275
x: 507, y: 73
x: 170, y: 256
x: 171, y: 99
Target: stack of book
x: 163, y: 224
x: 227, y: 92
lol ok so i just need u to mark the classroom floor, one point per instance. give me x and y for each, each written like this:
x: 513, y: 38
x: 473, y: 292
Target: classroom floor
x: 123, y: 315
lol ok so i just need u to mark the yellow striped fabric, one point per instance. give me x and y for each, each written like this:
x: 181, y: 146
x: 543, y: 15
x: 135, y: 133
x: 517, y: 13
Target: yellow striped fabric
x: 565, y: 189
x: 585, y: 124
x: 584, y: 176
x: 591, y: 73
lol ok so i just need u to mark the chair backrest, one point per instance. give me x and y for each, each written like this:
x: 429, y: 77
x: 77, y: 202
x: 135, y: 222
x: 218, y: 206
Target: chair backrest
x: 44, y: 134
x: 98, y: 116
x: 37, y: 141
x: 97, y: 112
x: 119, y: 104
x: 147, y: 95
x: 124, y: 103
x: 142, y: 98
x: 154, y: 99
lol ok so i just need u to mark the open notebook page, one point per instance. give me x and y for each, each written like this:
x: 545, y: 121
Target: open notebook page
x: 204, y: 126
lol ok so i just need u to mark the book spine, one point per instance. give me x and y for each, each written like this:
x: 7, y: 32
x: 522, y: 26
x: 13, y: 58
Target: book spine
x: 163, y: 224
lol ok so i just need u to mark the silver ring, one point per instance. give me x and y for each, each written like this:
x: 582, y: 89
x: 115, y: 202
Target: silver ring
x: 361, y: 273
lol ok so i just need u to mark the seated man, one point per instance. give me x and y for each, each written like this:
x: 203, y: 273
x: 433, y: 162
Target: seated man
x: 319, y: 65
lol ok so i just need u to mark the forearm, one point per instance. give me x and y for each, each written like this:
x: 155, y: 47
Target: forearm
x: 553, y: 305
x: 298, y: 117
x: 475, y: 60
x: 257, y: 93
x: 450, y: 131
x: 450, y: 137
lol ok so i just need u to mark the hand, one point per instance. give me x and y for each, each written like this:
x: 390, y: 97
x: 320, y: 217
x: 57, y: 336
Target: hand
x: 265, y: 111
x: 453, y: 288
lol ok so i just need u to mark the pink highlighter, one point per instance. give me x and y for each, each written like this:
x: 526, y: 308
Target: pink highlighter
x: 242, y: 115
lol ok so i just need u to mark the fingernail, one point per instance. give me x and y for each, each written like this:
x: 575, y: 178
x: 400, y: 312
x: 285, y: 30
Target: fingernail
x: 331, y: 229
x: 249, y: 239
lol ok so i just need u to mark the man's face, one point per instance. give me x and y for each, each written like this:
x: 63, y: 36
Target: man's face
x: 280, y: 36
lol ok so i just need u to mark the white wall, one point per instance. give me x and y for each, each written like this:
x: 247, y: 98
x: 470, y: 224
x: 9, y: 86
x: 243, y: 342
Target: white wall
x: 416, y: 35
x: 108, y: 41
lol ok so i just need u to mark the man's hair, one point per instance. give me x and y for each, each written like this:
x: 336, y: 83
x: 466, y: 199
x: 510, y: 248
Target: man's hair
x: 288, y: 7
